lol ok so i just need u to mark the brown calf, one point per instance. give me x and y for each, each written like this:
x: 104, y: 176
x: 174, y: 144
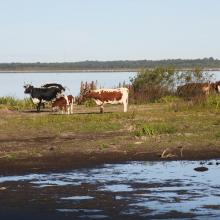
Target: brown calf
x: 64, y: 104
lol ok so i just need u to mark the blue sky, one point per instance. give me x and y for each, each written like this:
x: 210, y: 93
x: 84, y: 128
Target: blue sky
x: 77, y: 30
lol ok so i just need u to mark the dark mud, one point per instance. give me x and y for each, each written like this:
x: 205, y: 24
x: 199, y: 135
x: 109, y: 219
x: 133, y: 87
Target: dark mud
x: 57, y: 161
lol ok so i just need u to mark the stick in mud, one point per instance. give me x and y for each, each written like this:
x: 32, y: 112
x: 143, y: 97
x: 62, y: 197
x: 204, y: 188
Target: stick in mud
x: 172, y: 152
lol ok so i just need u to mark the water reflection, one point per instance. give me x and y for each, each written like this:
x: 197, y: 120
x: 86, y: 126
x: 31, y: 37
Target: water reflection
x: 143, y: 189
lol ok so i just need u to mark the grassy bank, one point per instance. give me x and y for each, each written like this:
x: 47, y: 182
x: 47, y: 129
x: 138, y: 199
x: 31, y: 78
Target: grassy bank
x: 142, y: 133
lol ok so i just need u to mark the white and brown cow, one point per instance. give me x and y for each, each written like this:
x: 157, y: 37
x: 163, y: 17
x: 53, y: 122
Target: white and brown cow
x: 111, y: 96
x: 64, y: 104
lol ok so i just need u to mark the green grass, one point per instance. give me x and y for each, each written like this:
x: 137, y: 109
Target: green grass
x: 153, y: 126
x: 169, y: 99
x: 14, y: 103
x: 198, y: 103
x: 213, y: 101
x: 195, y: 123
x: 65, y: 123
x: 149, y: 129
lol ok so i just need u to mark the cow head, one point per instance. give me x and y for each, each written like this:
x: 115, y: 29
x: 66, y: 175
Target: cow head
x: 28, y: 88
x: 84, y: 94
x: 217, y: 86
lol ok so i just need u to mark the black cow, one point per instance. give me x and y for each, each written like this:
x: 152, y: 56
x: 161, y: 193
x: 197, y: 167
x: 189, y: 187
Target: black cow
x: 49, y: 85
x: 43, y: 94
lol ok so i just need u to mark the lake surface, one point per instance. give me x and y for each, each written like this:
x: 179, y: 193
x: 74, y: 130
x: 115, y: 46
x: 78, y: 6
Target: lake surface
x: 134, y: 190
x: 11, y: 84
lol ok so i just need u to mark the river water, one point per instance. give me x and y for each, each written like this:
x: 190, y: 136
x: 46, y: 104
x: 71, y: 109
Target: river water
x: 134, y: 190
x: 11, y: 84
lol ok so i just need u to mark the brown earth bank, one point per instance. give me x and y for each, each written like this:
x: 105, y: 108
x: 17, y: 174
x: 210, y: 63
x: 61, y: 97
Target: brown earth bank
x: 65, y: 161
x: 49, y: 142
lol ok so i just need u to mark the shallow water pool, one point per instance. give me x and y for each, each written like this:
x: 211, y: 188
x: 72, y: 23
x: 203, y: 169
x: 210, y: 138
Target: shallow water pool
x: 132, y: 190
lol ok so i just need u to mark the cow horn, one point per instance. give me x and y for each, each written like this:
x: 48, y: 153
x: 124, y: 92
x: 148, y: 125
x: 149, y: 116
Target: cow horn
x: 67, y: 88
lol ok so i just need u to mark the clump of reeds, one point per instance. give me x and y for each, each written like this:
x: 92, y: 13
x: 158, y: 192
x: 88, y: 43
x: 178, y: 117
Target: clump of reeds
x: 13, y: 103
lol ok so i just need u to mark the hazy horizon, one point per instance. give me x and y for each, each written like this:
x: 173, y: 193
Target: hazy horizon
x: 113, y: 60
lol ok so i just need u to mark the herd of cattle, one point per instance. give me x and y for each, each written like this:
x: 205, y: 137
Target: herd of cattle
x: 55, y: 93
x: 198, y: 89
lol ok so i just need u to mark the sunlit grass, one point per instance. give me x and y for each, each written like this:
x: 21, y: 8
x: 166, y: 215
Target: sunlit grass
x: 14, y: 103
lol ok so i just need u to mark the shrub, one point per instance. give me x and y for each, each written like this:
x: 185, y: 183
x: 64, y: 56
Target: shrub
x: 152, y: 84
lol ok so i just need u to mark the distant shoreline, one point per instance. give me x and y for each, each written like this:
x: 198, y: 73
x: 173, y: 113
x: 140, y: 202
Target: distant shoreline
x: 68, y: 71
x: 89, y: 70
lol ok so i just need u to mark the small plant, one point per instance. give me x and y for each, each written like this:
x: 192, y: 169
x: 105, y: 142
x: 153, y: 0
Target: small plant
x: 104, y: 146
x: 90, y: 103
x: 151, y: 129
x: 12, y: 156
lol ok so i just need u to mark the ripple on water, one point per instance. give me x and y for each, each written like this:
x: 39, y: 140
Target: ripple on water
x: 77, y: 198
x: 134, y: 188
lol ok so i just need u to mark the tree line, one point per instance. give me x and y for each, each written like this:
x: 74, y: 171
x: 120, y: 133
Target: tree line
x: 123, y: 65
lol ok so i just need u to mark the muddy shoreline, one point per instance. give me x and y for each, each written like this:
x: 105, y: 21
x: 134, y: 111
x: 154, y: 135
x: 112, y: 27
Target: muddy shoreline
x: 46, y: 142
x: 65, y: 162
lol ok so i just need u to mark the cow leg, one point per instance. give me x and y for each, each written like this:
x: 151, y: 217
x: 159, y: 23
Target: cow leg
x: 38, y: 106
x: 62, y: 111
x: 125, y: 103
x: 67, y: 109
x: 71, y: 108
x: 67, y: 100
x: 102, y: 108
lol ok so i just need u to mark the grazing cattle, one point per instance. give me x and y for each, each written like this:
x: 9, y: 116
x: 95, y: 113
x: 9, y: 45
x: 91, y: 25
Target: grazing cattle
x: 43, y: 94
x: 190, y: 90
x: 217, y: 86
x: 111, y: 96
x: 198, y: 89
x: 63, y: 105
